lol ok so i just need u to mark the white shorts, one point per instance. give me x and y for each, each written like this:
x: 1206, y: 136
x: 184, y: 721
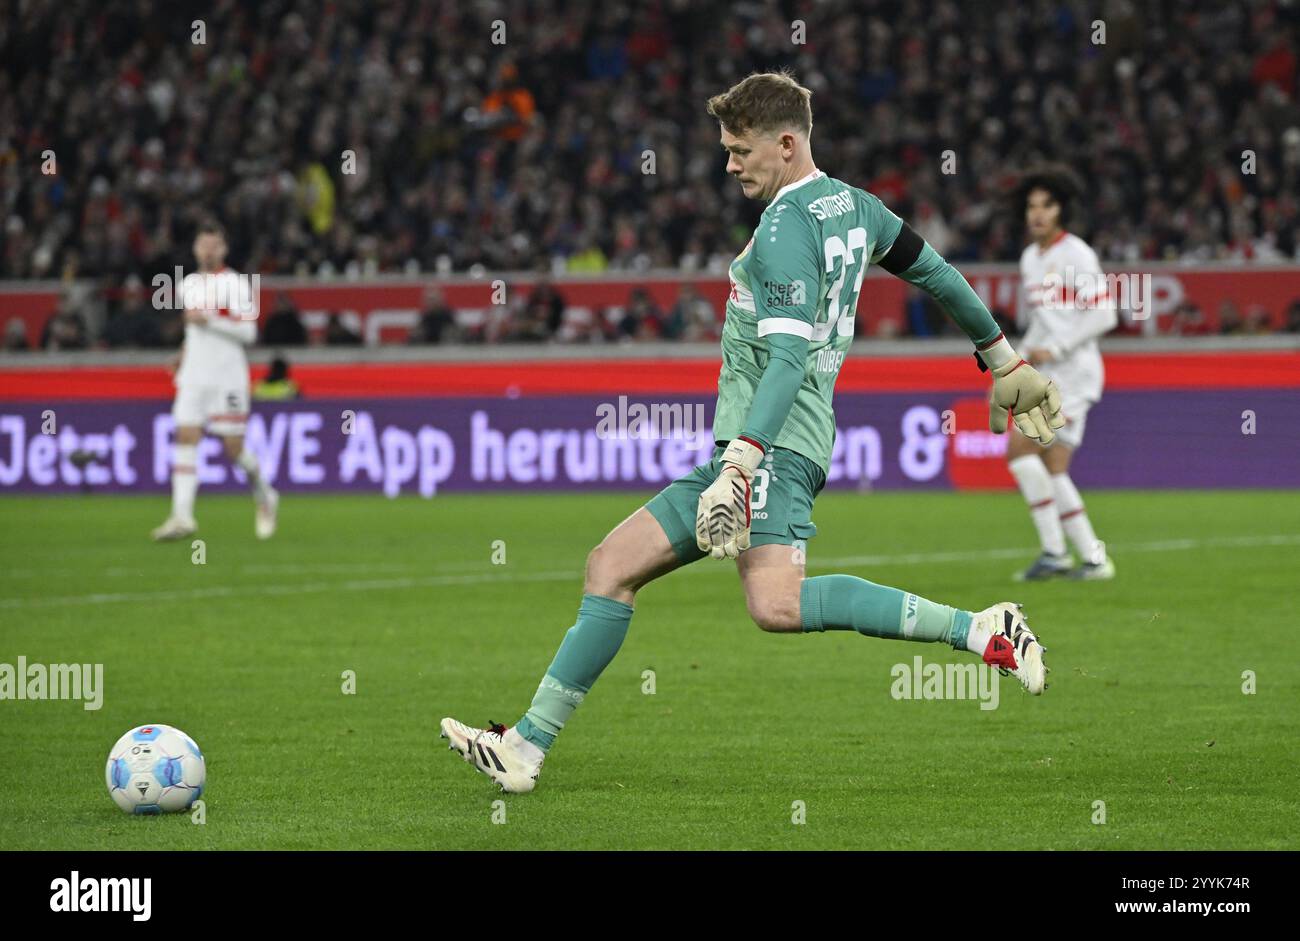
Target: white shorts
x: 220, y: 409
x: 1075, y: 411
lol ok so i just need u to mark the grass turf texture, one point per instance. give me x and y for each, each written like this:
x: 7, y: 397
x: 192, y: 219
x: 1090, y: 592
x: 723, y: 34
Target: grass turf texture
x: 245, y: 653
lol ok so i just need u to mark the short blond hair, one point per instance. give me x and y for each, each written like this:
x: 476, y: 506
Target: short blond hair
x: 763, y: 102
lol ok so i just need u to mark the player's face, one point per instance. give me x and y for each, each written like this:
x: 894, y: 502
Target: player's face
x: 210, y: 251
x: 1042, y: 214
x: 757, y: 161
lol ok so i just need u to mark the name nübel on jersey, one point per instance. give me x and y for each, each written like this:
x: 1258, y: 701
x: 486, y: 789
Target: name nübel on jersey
x: 829, y: 359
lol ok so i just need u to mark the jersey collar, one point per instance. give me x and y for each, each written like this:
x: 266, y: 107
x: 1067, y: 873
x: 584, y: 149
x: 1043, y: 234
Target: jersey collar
x: 815, y: 175
x: 1053, y: 243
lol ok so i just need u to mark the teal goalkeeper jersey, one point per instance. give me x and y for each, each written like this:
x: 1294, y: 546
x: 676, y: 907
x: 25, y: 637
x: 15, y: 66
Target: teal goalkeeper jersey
x: 800, y: 274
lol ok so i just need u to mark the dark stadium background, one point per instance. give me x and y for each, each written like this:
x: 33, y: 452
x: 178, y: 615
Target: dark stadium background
x: 500, y: 206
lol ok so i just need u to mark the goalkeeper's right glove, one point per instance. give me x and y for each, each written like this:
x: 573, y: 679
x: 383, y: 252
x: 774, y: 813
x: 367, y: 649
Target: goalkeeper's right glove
x: 1018, y: 388
x: 722, y: 515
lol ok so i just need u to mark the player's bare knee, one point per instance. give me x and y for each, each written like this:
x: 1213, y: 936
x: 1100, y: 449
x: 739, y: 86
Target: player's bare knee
x: 605, y: 575
x: 773, y: 613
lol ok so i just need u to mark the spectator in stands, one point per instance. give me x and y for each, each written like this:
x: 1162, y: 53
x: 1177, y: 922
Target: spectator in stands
x: 437, y: 321
x: 527, y: 323
x: 1292, y: 324
x: 531, y: 154
x: 15, y: 340
x: 1188, y: 320
x: 509, y: 107
x: 546, y: 305
x: 691, y: 318
x: 284, y: 327
x: 1230, y: 321
x: 132, y: 323
x: 642, y: 320
x: 276, y: 386
x: 336, y: 334
x: 66, y: 330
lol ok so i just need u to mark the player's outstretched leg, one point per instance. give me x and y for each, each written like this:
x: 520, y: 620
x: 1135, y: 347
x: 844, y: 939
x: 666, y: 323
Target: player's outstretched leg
x: 781, y: 599
x: 635, y: 553
x: 266, y: 499
x: 185, y: 486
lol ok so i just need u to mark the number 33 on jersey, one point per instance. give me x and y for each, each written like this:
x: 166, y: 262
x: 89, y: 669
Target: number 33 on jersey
x: 800, y: 274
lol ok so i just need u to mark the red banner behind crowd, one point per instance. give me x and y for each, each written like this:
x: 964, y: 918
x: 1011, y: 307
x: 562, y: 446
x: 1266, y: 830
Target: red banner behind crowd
x: 386, y: 311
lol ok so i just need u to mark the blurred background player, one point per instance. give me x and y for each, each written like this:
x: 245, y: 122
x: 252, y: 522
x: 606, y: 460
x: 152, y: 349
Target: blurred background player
x: 1066, y: 301
x: 212, y: 388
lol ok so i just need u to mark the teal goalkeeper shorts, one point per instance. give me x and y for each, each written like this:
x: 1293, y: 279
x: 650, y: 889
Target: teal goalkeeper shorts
x: 780, y: 506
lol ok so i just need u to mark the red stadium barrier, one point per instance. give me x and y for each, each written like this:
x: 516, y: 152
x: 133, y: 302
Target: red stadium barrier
x: 384, y: 311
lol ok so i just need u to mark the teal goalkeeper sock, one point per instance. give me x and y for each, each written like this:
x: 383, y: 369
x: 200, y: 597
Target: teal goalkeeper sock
x: 587, y: 649
x: 849, y: 603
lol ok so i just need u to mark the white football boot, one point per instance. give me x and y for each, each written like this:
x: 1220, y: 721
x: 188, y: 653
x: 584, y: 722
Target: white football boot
x: 1097, y: 568
x: 1014, y: 648
x: 267, y: 509
x: 502, y: 754
x: 173, y: 528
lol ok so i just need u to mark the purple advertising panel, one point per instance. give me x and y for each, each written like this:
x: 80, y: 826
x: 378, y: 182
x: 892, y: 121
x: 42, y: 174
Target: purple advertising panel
x: 1213, y: 438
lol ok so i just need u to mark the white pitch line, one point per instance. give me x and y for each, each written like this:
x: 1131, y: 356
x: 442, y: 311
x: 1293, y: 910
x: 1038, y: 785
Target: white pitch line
x: 434, y: 581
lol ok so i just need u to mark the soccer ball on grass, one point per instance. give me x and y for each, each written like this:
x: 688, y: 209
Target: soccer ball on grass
x: 155, y: 769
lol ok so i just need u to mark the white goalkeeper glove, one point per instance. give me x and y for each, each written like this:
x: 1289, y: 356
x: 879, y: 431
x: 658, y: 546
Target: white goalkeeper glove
x: 1018, y: 388
x: 722, y: 516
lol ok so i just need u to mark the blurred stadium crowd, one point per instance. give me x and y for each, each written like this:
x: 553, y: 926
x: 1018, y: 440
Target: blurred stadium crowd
x: 349, y: 137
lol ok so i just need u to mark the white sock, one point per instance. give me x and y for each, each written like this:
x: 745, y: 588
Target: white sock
x: 254, y: 472
x: 1036, y: 487
x: 977, y: 640
x: 1075, y: 521
x: 526, y: 749
x: 185, y: 481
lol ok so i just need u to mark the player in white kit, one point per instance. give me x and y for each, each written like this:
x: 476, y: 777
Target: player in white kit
x: 1068, y: 305
x: 212, y: 389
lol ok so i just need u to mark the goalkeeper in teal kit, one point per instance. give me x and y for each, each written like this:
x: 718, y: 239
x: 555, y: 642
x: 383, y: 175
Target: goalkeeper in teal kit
x: 789, y: 324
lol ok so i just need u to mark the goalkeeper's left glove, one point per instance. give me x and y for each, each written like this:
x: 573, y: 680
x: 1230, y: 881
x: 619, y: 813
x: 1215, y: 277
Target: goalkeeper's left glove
x: 722, y: 516
x: 1032, y: 400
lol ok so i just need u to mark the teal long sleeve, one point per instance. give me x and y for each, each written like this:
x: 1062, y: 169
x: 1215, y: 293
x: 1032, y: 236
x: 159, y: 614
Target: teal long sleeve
x: 958, y: 299
x: 776, y: 391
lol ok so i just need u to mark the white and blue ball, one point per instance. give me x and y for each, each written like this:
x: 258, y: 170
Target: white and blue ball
x: 155, y: 769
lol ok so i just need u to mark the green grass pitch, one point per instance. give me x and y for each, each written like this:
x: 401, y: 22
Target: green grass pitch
x: 1146, y: 709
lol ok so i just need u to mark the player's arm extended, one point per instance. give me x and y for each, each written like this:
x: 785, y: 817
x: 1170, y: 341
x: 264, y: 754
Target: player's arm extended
x: 722, y: 516
x: 784, y: 266
x: 776, y: 390
x: 1018, y: 388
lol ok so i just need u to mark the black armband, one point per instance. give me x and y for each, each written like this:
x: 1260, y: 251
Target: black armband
x: 904, y: 252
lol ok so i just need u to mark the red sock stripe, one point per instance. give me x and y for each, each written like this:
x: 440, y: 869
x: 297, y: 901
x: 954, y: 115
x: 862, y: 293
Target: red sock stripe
x: 1041, y: 503
x: 1066, y: 516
